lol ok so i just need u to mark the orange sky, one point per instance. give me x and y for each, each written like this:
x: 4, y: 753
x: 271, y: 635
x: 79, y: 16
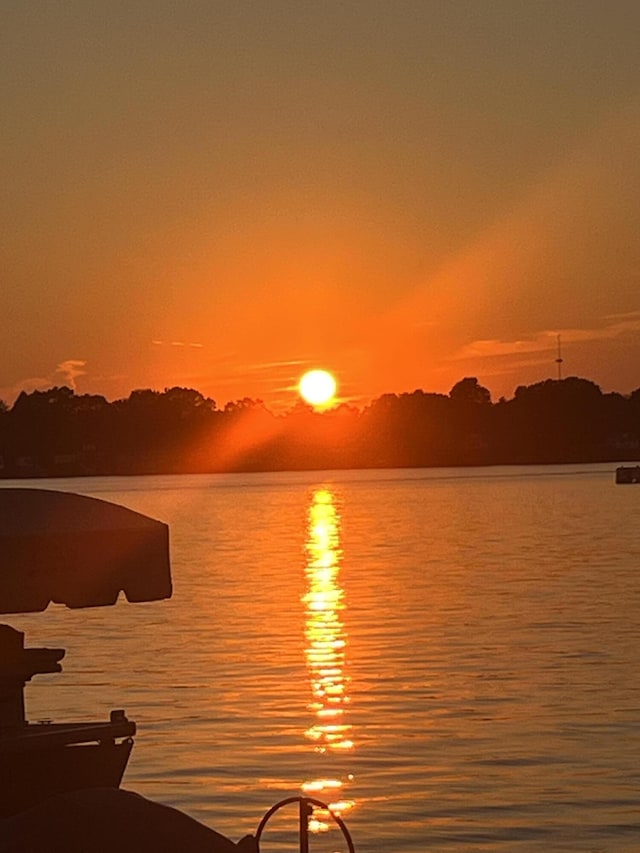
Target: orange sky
x: 221, y: 195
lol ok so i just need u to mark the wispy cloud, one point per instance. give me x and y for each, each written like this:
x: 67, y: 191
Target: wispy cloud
x: 620, y: 324
x: 65, y: 373
x: 272, y: 365
x: 70, y: 370
x: 628, y: 315
x: 494, y: 348
x: 188, y: 344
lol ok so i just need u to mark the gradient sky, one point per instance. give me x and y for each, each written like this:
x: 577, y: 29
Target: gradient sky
x: 221, y: 194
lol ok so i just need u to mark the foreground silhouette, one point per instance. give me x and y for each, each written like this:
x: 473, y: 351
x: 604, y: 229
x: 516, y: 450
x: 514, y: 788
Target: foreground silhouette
x: 104, y: 820
x: 59, y: 782
x: 59, y: 433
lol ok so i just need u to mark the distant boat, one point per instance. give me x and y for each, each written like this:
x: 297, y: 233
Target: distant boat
x: 628, y: 474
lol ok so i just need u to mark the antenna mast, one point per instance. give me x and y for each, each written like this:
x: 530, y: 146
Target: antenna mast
x: 559, y: 359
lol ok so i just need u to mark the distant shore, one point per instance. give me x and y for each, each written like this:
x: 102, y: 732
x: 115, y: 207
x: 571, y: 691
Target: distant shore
x: 57, y: 433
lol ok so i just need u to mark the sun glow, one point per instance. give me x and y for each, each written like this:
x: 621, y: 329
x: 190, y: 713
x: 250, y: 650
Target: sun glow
x: 317, y: 387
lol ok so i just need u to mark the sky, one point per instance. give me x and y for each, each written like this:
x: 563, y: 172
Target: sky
x: 221, y: 194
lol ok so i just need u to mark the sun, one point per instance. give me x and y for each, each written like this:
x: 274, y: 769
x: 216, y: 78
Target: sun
x: 317, y: 387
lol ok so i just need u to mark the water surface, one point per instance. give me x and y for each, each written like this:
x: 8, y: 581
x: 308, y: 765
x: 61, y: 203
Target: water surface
x: 450, y: 657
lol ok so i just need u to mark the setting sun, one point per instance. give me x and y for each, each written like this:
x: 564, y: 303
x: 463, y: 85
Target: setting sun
x: 317, y: 387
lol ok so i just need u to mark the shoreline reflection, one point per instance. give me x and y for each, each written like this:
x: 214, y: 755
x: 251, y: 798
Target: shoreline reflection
x: 325, y: 651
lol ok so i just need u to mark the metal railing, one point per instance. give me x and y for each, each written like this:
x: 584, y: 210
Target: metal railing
x: 305, y: 810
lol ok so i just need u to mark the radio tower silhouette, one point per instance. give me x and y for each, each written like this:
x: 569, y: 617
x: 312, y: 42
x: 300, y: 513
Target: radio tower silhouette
x: 559, y: 360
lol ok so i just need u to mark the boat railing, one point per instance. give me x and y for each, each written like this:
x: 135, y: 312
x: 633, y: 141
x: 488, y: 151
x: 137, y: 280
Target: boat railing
x: 306, y: 806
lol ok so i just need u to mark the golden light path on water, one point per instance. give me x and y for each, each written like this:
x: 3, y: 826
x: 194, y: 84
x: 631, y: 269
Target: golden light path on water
x: 326, y: 644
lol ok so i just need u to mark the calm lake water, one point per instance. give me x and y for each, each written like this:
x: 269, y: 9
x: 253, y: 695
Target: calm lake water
x: 451, y: 657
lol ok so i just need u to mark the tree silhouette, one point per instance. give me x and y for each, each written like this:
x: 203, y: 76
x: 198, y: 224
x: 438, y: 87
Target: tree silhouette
x: 56, y: 432
x: 469, y: 390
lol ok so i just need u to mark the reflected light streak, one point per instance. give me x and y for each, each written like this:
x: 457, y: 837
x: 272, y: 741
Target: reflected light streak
x: 326, y: 644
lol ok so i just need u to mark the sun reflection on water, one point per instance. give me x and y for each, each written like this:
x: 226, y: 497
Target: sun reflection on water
x: 326, y: 644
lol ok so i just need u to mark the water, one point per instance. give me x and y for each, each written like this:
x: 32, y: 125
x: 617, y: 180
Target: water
x: 451, y: 657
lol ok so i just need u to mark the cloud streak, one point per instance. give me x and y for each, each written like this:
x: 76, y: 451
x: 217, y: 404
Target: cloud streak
x: 186, y: 344
x: 65, y: 373
x: 70, y: 370
x: 623, y: 324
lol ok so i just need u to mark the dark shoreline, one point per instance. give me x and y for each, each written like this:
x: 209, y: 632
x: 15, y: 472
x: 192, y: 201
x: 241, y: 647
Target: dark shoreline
x: 57, y: 433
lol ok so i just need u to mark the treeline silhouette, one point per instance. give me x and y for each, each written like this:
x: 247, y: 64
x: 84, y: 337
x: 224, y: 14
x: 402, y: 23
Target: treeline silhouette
x: 61, y: 433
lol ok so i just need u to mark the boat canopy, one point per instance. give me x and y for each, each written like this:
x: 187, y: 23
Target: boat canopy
x: 77, y: 550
